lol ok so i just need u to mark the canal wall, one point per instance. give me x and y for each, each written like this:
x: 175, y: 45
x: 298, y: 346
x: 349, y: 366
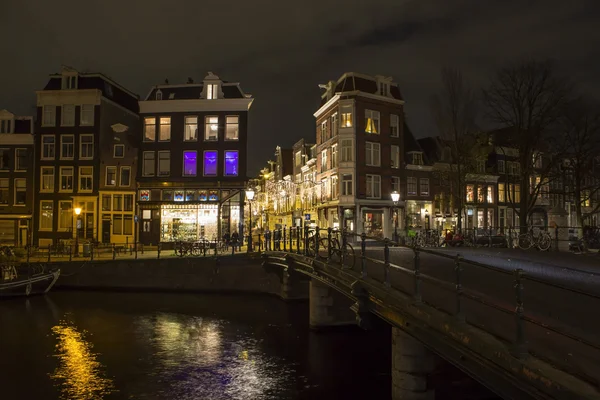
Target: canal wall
x: 238, y: 273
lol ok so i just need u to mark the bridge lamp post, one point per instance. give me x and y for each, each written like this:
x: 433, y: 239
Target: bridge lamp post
x: 395, y: 198
x: 250, y: 197
x: 77, y: 212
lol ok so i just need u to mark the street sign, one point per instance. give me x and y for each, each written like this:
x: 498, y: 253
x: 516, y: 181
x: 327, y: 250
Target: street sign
x: 307, y: 217
x: 135, y: 219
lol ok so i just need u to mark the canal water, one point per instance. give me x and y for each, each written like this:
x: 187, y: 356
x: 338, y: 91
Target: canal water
x: 101, y: 346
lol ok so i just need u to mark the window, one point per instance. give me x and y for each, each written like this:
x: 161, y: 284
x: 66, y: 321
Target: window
x: 517, y: 196
x: 4, y: 158
x: 164, y: 163
x: 347, y: 185
x: 232, y: 127
x: 191, y: 129
x: 212, y: 92
x: 383, y: 89
x: 165, y: 129
x: 395, y: 184
x: 86, y: 179
x: 501, y: 166
x: 373, y: 186
x: 128, y: 202
x: 65, y: 215
x: 4, y: 190
x: 481, y: 166
x: 470, y: 194
x: 117, y: 224
x: 334, y: 187
x: 117, y: 202
x: 69, y: 82
x: 211, y: 128
x: 106, y: 204
x: 501, y: 193
x: 417, y: 158
x: 371, y: 121
x: 395, y: 156
x: 334, y: 124
x: 5, y: 126
x: 490, y: 194
x: 149, y: 129
x: 67, y: 115
x: 394, y: 125
x: 86, y: 146
x: 67, y: 145
x: 47, y: 180
x: 49, y: 115
x: 480, y: 196
x: 48, y: 147
x: 158, y: 95
x: 347, y: 152
x: 210, y: 163
x: 87, y: 115
x: 334, y: 156
x: 111, y: 176
x: 118, y: 151
x: 424, y: 186
x: 411, y: 186
x: 21, y: 159
x: 298, y: 158
x: 324, y: 160
x: 373, y: 157
x: 190, y: 163
x: 46, y: 215
x: 66, y: 179
x: 149, y: 164
x: 231, y: 163
x: 324, y: 131
x: 346, y: 116
x: 125, y: 178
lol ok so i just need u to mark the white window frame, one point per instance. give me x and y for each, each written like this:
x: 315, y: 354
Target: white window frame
x: 126, y: 168
x: 376, y: 117
x: 212, y: 91
x: 372, y: 151
x: 144, y: 172
x: 7, y: 180
x: 42, y: 175
x: 203, y: 163
x: 417, y: 158
x: 81, y: 175
x: 207, y: 128
x: 395, y: 156
x: 347, y: 184
x: 188, y: 125
x: 324, y: 160
x: 81, y: 144
x: 412, y: 181
x: 168, y: 173
x: 60, y: 176
x: 115, y: 150
x: 183, y: 164
x: 16, y: 191
x: 162, y: 122
x: 347, y: 116
x: 424, y: 182
x: 396, y: 184
x: 41, y: 228
x: 86, y: 109
x: 236, y: 124
x: 112, y: 167
x: 4, y: 165
x: 44, y: 146
x: 375, y: 180
x: 69, y: 216
x: 334, y: 156
x: 225, y: 162
x: 347, y: 151
x: 48, y: 115
x: 63, y: 114
x: 394, y: 125
x: 501, y: 168
x: 62, y: 156
x: 5, y: 125
x: 17, y: 150
x: 334, y: 124
x: 146, y: 125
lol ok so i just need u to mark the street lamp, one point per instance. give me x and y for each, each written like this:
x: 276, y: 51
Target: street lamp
x: 395, y: 198
x: 77, y: 212
x: 250, y: 197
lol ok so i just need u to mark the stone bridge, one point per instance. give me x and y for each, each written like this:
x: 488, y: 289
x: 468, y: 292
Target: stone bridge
x: 521, y: 330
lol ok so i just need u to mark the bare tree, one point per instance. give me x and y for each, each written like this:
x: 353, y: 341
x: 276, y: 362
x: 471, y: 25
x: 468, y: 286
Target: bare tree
x: 581, y: 133
x: 455, y: 112
x: 529, y: 98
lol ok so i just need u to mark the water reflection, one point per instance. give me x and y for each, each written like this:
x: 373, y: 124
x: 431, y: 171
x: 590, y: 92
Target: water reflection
x: 80, y: 374
x: 199, y: 361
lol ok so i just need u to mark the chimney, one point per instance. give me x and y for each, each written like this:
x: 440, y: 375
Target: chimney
x: 166, y: 81
x: 190, y: 80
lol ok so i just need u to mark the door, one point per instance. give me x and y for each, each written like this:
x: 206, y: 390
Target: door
x: 105, y: 231
x: 23, y: 233
x: 89, y: 226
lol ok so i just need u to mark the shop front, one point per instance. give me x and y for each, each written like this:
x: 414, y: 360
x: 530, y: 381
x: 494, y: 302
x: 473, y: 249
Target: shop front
x: 14, y: 230
x: 373, y: 222
x: 418, y: 215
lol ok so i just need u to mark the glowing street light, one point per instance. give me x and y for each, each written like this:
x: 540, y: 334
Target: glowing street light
x: 250, y: 197
x: 77, y: 212
x: 395, y: 198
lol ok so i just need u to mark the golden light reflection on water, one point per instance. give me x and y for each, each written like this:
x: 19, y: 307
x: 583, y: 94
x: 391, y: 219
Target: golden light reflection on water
x: 79, y: 374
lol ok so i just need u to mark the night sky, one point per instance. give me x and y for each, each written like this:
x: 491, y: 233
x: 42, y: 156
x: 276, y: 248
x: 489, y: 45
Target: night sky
x: 280, y: 51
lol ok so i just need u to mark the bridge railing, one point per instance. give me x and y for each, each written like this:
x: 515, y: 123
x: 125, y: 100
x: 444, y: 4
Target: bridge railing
x: 532, y: 310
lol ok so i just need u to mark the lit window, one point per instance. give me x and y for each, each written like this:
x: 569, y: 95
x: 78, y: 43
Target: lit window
x: 65, y: 215
x: 231, y: 163
x: 210, y: 163
x: 470, y: 194
x: 87, y: 115
x: 164, y: 163
x: 165, y: 129
x: 394, y: 125
x: 324, y: 160
x: 232, y: 128
x: 86, y: 147
x: 190, y: 163
x: 21, y: 159
x: 179, y: 195
x: 47, y: 181
x: 67, y: 145
x: 395, y: 156
x: 490, y: 194
x: 66, y: 178
x: 149, y: 164
x: 149, y: 129
x: 111, y: 176
x: 86, y: 178
x: 346, y: 112
x: 48, y: 147
x: 501, y: 193
x: 334, y: 156
x: 20, y: 191
x: 211, y: 128
x: 411, y: 186
x: 347, y: 151
x: 191, y: 129
x: 125, y: 179
x: 371, y: 121
x: 4, y: 190
x: 49, y: 117
x: 119, y: 151
x: 68, y: 115
x: 347, y: 185
x: 424, y: 186
x: 212, y: 91
x: 46, y: 215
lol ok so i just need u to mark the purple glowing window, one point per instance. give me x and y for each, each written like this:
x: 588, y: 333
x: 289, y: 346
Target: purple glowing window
x: 231, y: 163
x: 189, y: 163
x: 210, y: 163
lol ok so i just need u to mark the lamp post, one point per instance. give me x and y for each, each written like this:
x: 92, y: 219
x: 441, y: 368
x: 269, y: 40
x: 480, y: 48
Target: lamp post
x: 395, y: 197
x: 77, y: 212
x: 250, y: 197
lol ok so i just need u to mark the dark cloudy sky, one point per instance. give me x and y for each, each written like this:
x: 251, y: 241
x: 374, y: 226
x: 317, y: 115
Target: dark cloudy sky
x: 281, y: 50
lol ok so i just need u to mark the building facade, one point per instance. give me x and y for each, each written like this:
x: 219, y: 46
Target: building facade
x: 84, y: 141
x: 359, y: 153
x: 17, y: 163
x: 193, y: 156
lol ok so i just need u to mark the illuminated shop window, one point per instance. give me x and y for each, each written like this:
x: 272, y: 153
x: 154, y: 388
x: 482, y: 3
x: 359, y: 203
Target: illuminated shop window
x: 178, y: 195
x: 190, y: 195
x: 202, y: 196
x: 213, y: 195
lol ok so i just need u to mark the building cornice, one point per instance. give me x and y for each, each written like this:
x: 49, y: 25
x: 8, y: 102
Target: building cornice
x: 357, y: 93
x: 426, y: 168
x: 16, y: 139
x: 194, y: 105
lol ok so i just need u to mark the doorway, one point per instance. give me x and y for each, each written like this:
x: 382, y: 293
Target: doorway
x: 105, y: 231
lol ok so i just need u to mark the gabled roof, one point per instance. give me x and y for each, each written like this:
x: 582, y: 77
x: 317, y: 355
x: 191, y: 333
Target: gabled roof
x: 411, y: 144
x: 353, y: 81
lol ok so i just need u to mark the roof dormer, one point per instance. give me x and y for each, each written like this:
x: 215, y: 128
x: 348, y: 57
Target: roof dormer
x: 159, y: 95
x: 69, y: 78
x: 383, y: 85
x: 7, y: 122
x: 212, y: 89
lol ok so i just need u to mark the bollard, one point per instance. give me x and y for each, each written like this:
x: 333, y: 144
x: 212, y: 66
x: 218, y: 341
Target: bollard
x: 298, y: 240
x: 114, y: 251
x: 49, y: 248
x: 306, y: 240
x: 329, y: 252
x: 363, y: 255
x: 520, y: 350
x: 386, y: 258
x: 460, y: 316
x: 417, y: 294
x: 158, y: 251
x: 284, y: 239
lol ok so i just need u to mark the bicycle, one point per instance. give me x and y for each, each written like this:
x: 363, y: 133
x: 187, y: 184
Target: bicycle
x: 542, y: 241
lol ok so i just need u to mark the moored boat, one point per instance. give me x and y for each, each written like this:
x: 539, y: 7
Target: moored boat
x: 26, y: 279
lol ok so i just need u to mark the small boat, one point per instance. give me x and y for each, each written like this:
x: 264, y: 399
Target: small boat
x: 26, y: 280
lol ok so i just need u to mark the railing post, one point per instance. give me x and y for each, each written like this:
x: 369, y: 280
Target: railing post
x: 329, y: 249
x: 520, y: 349
x: 114, y: 251
x: 306, y: 240
x: 284, y: 238
x: 291, y: 239
x: 91, y: 251
x: 417, y: 294
x: 386, y: 258
x: 136, y: 250
x: 459, y: 290
x: 556, y: 238
x: 343, y: 248
x: 363, y: 255
x: 299, y: 251
x: 158, y: 250
x: 317, y: 240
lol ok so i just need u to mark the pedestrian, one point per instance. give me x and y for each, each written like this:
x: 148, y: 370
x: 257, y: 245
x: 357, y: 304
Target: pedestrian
x: 235, y: 239
x: 226, y: 240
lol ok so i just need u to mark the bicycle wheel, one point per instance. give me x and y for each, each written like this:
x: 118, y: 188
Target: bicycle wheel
x: 525, y: 242
x: 544, y: 242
